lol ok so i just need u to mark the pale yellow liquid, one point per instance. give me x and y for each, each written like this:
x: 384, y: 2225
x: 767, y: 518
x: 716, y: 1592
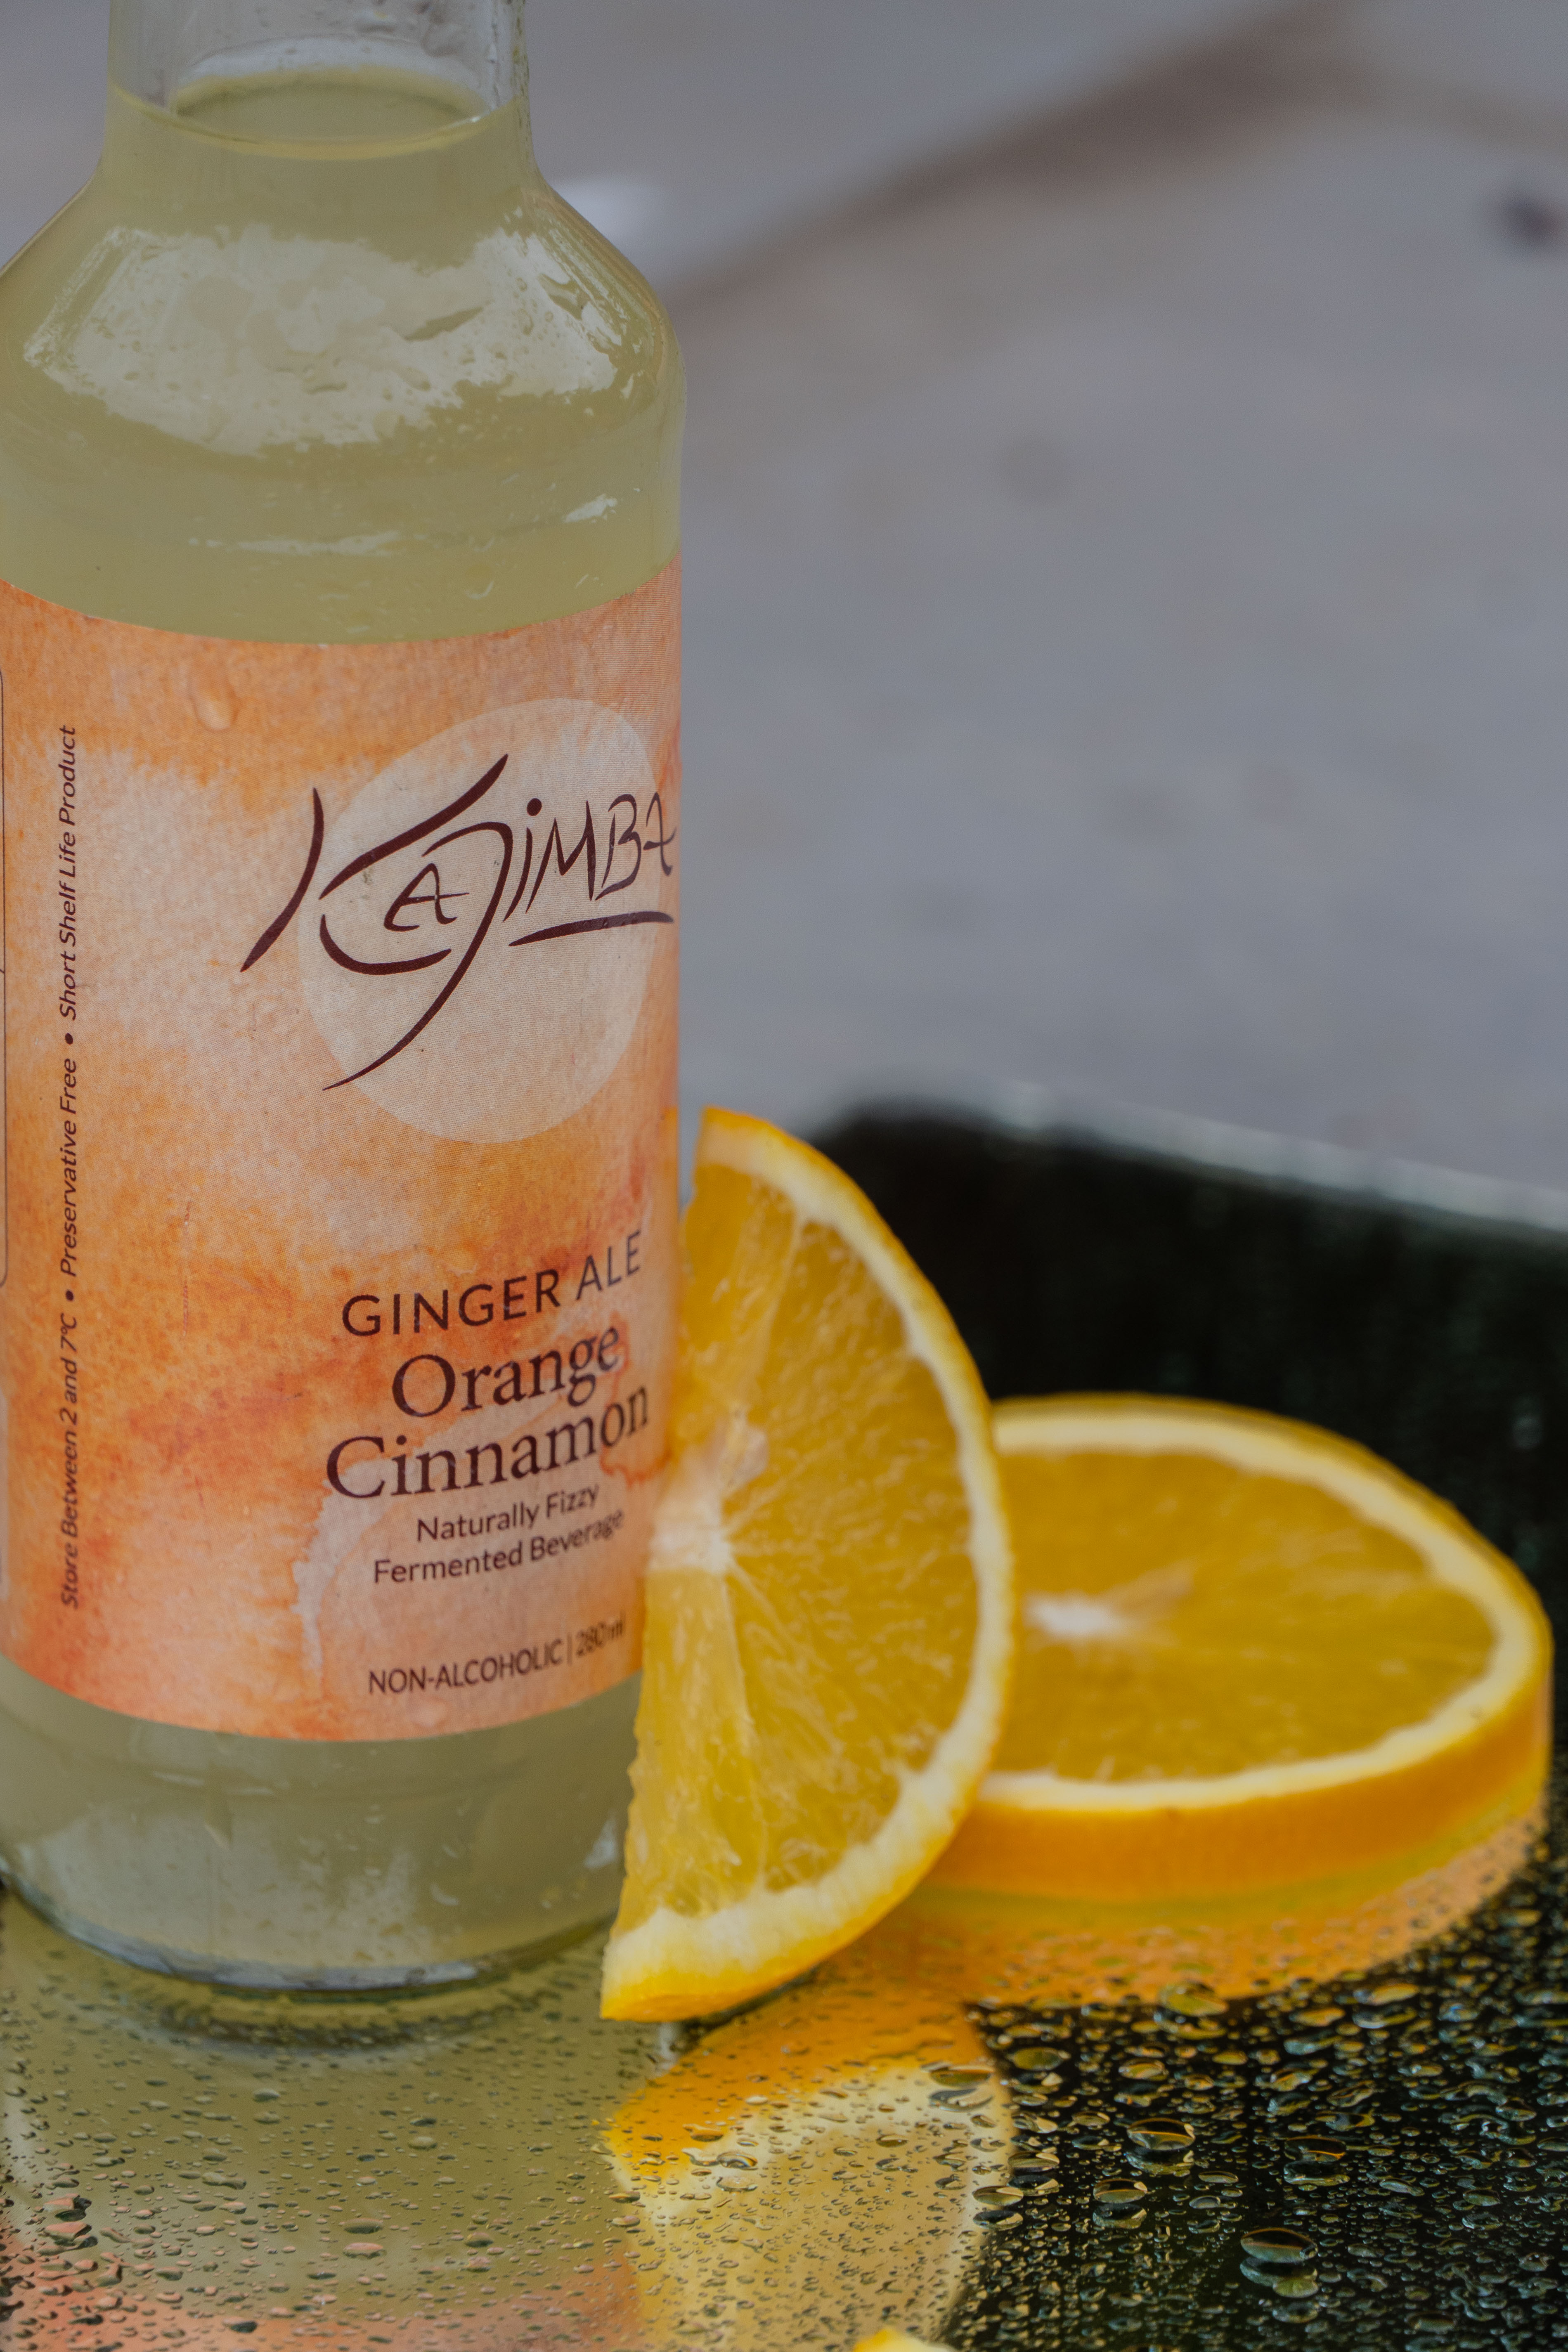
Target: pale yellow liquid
x: 320, y: 358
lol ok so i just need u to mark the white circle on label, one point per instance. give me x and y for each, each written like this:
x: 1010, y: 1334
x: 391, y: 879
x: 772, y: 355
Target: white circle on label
x: 476, y: 935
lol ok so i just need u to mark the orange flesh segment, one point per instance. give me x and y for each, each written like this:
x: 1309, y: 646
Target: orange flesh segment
x: 1184, y: 1616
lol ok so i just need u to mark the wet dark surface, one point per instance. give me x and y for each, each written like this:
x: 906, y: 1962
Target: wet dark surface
x: 1406, y: 2131
x: 1377, y: 2161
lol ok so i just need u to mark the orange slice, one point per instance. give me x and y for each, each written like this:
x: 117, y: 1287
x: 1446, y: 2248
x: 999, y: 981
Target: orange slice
x: 1253, y: 1655
x: 830, y: 1593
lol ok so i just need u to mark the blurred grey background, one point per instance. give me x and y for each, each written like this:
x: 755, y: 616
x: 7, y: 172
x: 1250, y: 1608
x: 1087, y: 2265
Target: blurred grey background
x: 1127, y: 537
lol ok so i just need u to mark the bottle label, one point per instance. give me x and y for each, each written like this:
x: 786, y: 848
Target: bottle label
x: 339, y: 1217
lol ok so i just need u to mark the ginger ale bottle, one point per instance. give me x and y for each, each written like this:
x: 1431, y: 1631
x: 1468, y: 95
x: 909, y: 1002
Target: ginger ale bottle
x: 339, y: 656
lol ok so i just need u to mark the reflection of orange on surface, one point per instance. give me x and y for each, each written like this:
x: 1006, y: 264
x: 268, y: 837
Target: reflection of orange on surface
x: 1043, y: 1949
x: 812, y: 2169
x: 1261, y: 1671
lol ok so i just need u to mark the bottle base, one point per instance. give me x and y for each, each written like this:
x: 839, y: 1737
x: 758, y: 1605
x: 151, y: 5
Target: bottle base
x: 313, y: 1866
x: 245, y: 1976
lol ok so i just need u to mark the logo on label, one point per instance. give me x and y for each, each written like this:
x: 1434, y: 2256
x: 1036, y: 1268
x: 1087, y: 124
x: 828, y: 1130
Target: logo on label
x: 475, y: 931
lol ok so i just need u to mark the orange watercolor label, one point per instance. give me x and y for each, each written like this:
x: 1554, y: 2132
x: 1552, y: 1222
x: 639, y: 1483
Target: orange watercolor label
x: 337, y: 1314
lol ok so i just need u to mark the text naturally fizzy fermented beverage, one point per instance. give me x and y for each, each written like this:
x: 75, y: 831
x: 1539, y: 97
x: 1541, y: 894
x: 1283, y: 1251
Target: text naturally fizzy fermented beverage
x: 339, y: 650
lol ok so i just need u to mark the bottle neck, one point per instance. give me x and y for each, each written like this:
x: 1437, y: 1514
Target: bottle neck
x: 165, y: 52
x: 402, y: 121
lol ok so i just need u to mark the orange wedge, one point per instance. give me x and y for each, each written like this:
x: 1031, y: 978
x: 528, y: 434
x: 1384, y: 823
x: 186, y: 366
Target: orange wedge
x: 1253, y: 1656
x: 829, y: 1636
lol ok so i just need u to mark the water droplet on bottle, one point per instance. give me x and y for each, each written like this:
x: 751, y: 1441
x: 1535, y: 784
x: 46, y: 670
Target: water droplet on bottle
x: 214, y: 700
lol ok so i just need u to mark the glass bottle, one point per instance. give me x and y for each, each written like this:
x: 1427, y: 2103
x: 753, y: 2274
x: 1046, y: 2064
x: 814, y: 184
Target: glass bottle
x: 351, y: 432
